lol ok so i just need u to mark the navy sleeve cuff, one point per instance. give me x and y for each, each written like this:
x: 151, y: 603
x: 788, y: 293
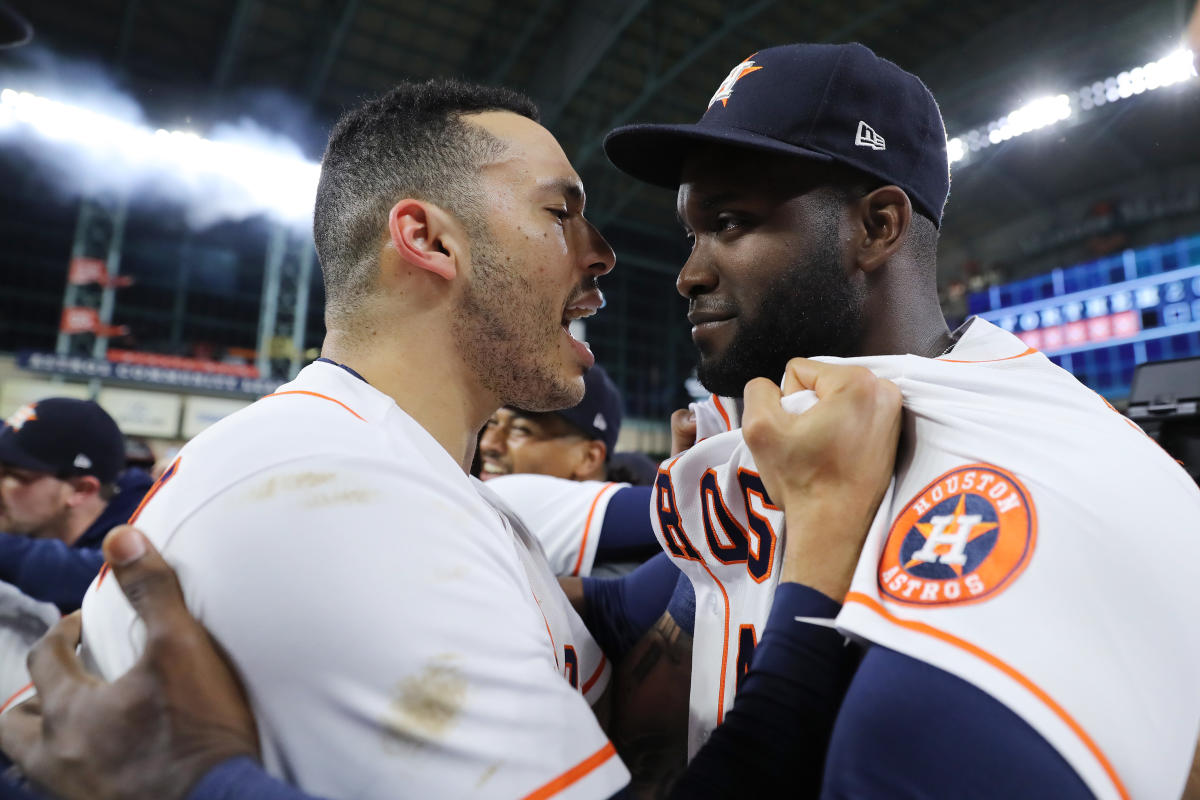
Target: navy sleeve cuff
x: 243, y: 779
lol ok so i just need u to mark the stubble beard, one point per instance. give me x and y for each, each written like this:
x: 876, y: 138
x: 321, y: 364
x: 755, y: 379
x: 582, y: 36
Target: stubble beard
x: 812, y: 308
x: 506, y: 337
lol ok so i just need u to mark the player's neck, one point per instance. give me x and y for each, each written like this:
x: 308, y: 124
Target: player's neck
x: 899, y: 324
x: 427, y: 380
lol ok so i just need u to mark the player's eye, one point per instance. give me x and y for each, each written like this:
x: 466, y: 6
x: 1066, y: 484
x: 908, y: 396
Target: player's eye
x: 728, y: 222
x: 560, y: 213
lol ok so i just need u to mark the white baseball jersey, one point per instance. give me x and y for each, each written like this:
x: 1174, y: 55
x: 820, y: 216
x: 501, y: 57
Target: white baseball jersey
x: 566, y: 516
x: 1033, y: 542
x: 396, y: 633
x: 23, y: 621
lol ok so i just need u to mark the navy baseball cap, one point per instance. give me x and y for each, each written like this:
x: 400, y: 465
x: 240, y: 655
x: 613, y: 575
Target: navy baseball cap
x: 65, y: 437
x: 832, y: 103
x: 599, y: 412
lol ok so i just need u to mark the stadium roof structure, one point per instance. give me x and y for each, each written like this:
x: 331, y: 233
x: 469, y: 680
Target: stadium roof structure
x: 595, y: 64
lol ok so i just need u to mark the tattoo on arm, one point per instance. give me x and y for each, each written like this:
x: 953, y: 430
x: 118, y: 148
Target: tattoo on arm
x: 650, y: 713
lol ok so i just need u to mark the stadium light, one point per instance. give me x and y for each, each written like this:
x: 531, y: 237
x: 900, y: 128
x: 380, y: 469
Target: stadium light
x: 1173, y: 68
x: 282, y: 184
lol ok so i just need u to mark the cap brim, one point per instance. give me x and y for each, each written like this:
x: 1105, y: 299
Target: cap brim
x: 15, y: 30
x: 12, y: 455
x: 656, y: 153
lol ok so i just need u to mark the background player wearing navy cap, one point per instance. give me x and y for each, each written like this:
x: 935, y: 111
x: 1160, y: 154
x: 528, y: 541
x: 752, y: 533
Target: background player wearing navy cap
x: 551, y: 469
x: 62, y: 487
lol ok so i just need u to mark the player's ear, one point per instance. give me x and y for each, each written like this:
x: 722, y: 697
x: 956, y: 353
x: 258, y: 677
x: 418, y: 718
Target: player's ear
x: 426, y: 236
x: 882, y: 220
x: 82, y: 488
x: 592, y: 455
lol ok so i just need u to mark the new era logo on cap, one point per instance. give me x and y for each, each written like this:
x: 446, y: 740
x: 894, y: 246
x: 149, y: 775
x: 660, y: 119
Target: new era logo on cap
x: 867, y: 137
x: 599, y: 424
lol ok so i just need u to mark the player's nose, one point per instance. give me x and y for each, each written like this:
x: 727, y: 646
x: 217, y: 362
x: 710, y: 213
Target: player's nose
x: 598, y: 255
x: 494, y: 441
x: 696, y: 276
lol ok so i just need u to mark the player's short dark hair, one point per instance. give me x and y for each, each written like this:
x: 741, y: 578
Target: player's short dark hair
x: 409, y: 142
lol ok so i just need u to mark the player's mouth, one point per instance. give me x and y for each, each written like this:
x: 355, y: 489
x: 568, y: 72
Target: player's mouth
x: 703, y: 321
x: 581, y: 307
x: 490, y: 469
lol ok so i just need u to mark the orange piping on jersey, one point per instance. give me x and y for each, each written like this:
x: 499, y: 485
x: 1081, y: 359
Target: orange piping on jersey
x: 587, y: 527
x: 553, y: 646
x: 1028, y: 352
x: 985, y: 656
x: 168, y: 473
x: 315, y: 394
x: 721, y: 410
x: 574, y: 774
x: 725, y: 596
x: 595, y: 675
x: 724, y: 645
x: 16, y: 694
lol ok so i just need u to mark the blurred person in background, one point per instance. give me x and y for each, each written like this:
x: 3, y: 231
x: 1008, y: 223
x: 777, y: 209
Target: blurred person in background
x: 551, y: 468
x: 63, y: 485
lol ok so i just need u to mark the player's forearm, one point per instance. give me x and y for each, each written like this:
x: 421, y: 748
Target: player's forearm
x: 48, y: 570
x: 814, y: 558
x: 651, y: 688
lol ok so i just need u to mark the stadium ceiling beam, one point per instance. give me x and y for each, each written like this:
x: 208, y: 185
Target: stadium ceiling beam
x: 532, y: 21
x: 587, y: 33
x: 243, y: 12
x: 123, y: 43
x: 333, y: 45
x: 732, y: 23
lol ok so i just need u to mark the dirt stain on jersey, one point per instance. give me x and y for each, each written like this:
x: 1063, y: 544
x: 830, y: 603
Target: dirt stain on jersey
x: 316, y: 490
x: 488, y: 773
x: 425, y: 706
x: 279, y: 484
x: 344, y: 497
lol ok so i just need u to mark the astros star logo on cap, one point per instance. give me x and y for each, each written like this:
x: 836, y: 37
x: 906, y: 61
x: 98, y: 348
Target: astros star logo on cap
x: 736, y: 74
x: 21, y: 416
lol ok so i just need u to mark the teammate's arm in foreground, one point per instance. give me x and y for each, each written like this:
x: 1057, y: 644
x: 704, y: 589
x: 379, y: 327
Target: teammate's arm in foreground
x: 840, y: 454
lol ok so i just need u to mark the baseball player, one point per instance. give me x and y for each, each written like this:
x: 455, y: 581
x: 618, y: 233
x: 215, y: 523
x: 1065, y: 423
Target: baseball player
x: 550, y: 468
x: 1018, y: 633
x: 339, y: 507
x: 396, y: 628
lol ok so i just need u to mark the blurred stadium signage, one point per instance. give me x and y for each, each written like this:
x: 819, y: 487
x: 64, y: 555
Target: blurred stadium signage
x: 147, y: 368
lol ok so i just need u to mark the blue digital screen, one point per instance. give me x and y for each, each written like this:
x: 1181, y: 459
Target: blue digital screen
x: 1101, y: 319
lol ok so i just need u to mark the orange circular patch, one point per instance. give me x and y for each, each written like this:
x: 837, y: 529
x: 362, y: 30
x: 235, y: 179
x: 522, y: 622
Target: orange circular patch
x: 964, y: 538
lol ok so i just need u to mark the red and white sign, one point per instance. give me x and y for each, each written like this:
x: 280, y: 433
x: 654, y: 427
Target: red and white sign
x: 86, y: 270
x: 180, y: 362
x: 79, y: 319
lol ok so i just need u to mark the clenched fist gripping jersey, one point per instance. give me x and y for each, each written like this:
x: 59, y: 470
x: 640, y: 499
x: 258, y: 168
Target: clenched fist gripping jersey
x: 395, y: 630
x: 1033, y: 542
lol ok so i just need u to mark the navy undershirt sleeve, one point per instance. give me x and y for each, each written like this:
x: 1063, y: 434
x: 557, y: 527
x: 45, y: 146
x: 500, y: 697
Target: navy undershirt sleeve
x: 617, y: 611
x: 772, y: 742
x: 244, y: 779
x: 682, y: 605
x: 904, y: 722
x: 626, y: 534
x: 49, y: 570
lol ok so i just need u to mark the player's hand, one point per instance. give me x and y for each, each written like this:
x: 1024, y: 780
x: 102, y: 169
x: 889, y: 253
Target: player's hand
x: 683, y: 430
x: 155, y: 731
x: 827, y: 468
